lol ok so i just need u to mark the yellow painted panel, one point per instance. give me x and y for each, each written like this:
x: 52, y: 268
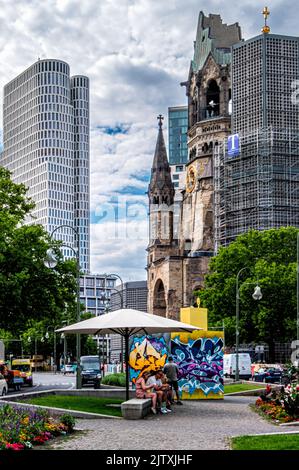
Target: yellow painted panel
x: 199, y: 395
x: 195, y: 316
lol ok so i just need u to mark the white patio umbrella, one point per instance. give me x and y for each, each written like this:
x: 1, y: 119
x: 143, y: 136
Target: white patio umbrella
x: 127, y: 322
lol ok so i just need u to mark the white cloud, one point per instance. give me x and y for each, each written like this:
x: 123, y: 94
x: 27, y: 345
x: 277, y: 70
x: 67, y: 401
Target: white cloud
x: 136, y: 53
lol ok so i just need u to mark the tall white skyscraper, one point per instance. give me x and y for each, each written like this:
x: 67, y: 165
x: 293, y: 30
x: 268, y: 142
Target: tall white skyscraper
x: 46, y: 147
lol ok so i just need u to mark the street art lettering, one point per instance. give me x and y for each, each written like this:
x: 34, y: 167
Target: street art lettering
x: 200, y: 362
x: 147, y: 353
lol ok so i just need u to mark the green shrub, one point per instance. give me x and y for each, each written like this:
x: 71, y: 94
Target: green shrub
x: 118, y: 380
x: 68, y: 421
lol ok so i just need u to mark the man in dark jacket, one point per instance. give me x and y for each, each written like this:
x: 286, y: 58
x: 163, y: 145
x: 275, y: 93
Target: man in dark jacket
x: 171, y: 371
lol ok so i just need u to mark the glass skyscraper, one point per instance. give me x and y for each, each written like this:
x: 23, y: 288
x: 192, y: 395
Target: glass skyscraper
x: 46, y: 147
x: 177, y: 134
x: 177, y: 143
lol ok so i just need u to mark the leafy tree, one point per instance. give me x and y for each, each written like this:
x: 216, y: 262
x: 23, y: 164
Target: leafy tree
x: 29, y: 291
x: 270, y: 259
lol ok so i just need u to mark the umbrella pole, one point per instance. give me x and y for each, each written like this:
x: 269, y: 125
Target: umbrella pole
x: 127, y: 362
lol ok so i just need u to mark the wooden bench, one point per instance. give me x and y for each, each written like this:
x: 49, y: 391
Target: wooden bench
x: 136, y: 408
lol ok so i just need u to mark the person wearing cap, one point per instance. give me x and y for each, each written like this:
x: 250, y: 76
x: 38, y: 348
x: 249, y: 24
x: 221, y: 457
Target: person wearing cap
x: 171, y: 371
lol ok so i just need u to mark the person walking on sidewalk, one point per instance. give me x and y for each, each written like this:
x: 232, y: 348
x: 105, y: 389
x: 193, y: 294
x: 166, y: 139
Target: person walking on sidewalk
x: 171, y: 371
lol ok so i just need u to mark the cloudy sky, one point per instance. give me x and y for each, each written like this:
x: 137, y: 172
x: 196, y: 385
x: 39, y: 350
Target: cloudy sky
x: 136, y: 53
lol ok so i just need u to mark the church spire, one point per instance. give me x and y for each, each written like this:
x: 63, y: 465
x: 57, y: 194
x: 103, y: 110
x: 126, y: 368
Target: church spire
x: 161, y: 185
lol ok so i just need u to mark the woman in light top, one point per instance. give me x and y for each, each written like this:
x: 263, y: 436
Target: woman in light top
x: 146, y: 391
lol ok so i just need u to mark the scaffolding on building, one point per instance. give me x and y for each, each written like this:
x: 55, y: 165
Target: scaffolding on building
x: 259, y: 188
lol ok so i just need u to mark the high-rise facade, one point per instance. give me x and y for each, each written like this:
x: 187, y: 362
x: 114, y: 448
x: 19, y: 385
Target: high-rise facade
x: 264, y: 70
x: 256, y: 184
x: 46, y: 147
x: 95, y: 292
x: 177, y: 134
x: 132, y: 295
x: 177, y: 144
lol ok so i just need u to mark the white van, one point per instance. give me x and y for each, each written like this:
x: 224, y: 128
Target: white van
x: 229, y: 365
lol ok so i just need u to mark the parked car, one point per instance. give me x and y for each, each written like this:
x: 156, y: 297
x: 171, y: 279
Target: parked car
x: 91, y: 370
x: 268, y: 376
x: 3, y: 386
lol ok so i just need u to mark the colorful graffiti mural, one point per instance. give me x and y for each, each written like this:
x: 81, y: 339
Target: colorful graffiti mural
x: 199, y: 357
x: 147, y: 353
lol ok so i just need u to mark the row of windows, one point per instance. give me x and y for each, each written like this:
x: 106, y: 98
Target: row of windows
x: 40, y: 95
x: 82, y: 205
x: 79, y: 94
x: 33, y: 125
x: 22, y: 104
x: 56, y: 143
x: 53, y: 78
x: 60, y: 214
x: 80, y: 82
x: 96, y: 282
x: 40, y: 66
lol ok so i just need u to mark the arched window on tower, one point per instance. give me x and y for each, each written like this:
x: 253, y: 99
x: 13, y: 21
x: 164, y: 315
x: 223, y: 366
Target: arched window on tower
x: 213, y: 99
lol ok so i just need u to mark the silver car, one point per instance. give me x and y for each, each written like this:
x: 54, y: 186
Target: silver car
x: 68, y: 369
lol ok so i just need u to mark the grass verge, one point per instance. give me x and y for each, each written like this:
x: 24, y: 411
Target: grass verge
x: 231, y: 388
x: 274, y: 442
x: 89, y: 404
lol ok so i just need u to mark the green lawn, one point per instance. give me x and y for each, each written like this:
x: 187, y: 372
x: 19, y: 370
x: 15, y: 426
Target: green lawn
x: 231, y: 388
x: 89, y: 404
x: 275, y: 442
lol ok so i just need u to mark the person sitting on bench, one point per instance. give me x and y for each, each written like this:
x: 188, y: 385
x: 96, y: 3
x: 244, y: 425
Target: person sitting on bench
x: 146, y: 391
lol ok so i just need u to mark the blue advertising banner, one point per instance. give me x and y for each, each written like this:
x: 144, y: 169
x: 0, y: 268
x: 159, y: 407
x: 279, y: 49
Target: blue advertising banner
x: 233, y: 145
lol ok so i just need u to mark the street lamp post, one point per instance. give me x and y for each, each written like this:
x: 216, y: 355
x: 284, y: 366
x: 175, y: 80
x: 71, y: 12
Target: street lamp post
x: 51, y: 262
x: 257, y: 295
x: 297, y: 345
x: 35, y: 343
x: 106, y: 336
x: 121, y: 306
x: 120, y: 293
x: 54, y: 346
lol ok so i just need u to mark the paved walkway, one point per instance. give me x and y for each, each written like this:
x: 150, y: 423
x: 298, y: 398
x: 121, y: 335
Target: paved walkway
x: 195, y: 425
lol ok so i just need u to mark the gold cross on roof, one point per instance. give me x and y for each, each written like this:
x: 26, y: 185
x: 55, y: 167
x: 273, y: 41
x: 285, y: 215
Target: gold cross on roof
x: 266, y: 13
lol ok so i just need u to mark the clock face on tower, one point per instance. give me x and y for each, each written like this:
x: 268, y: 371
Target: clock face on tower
x: 191, y: 179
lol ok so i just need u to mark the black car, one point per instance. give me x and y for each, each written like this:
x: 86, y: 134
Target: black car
x: 91, y: 370
x: 269, y: 376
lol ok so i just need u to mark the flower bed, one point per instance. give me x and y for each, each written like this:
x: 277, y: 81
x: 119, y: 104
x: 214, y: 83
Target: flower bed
x: 281, y: 406
x: 22, y: 428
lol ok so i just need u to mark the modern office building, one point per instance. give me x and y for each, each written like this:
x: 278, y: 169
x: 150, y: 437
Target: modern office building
x: 256, y: 171
x: 264, y: 73
x: 95, y: 292
x: 177, y: 144
x: 95, y: 295
x: 46, y: 147
x: 133, y: 295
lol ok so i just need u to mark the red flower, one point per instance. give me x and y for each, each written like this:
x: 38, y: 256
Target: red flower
x: 14, y: 446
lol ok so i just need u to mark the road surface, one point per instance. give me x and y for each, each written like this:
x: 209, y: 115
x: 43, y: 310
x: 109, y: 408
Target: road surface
x: 48, y: 381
